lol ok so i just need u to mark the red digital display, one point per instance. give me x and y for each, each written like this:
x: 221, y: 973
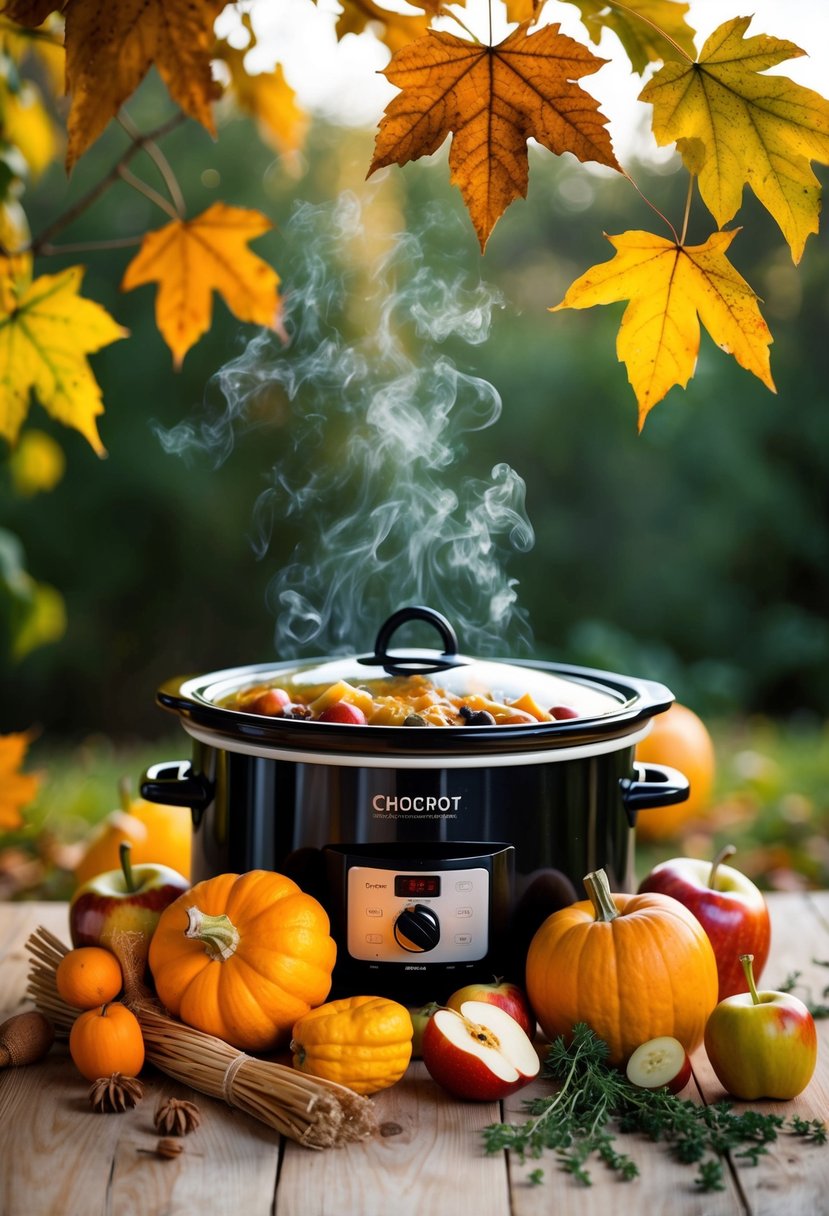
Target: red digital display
x: 416, y: 886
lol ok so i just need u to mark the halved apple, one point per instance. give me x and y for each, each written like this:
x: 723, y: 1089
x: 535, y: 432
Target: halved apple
x: 661, y: 1063
x: 479, y: 1052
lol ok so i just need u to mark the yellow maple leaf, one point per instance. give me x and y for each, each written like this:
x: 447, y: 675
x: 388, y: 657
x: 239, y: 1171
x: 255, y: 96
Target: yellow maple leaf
x: 268, y: 98
x: 671, y: 288
x: 641, y: 26
x: 392, y: 28
x: 15, y: 259
x: 44, y: 341
x: 30, y: 13
x: 735, y: 126
x: 16, y: 789
x: 26, y: 123
x: 43, y: 44
x: 190, y: 259
x: 110, y: 47
x: 493, y: 99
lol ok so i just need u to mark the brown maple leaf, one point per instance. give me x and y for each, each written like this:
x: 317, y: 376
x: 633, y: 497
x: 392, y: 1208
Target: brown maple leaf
x: 493, y: 99
x: 110, y: 47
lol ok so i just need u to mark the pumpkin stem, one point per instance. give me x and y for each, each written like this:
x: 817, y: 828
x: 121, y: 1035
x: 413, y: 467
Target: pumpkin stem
x: 748, y: 970
x: 598, y: 888
x: 728, y: 850
x: 219, y: 934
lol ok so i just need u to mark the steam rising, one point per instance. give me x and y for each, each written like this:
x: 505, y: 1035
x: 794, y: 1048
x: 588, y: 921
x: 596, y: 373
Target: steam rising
x: 374, y: 418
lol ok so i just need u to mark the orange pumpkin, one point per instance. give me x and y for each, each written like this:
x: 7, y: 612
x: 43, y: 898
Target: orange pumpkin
x: 633, y: 967
x: 243, y: 957
x: 680, y: 739
x: 88, y: 976
x: 107, y: 1040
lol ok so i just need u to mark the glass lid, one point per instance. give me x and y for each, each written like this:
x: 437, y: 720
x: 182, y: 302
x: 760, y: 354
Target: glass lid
x: 418, y: 687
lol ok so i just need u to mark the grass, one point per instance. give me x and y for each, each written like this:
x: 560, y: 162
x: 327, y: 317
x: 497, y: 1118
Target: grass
x: 771, y: 800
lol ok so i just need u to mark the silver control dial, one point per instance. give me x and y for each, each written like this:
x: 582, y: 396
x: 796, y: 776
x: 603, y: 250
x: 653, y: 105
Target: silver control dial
x: 417, y: 929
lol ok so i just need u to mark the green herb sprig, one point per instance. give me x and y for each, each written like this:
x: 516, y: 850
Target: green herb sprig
x: 595, y: 1101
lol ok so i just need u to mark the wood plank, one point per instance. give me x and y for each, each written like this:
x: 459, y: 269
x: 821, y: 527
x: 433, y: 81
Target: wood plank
x: 794, y: 1176
x: 663, y: 1188
x: 17, y: 922
x: 428, y: 1158
x: 106, y: 1163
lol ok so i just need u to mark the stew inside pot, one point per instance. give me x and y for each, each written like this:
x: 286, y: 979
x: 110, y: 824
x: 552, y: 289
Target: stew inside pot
x: 412, y: 700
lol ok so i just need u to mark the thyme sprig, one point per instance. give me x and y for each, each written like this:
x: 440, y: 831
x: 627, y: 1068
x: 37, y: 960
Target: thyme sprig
x: 594, y: 1102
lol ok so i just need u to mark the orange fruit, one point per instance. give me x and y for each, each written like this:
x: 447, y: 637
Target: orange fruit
x: 158, y: 834
x: 88, y: 976
x: 681, y: 740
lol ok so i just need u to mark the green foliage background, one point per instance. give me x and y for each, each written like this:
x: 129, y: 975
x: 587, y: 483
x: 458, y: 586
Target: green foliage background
x: 696, y: 553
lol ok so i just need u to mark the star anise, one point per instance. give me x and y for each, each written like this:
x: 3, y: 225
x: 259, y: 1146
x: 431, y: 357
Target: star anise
x: 176, y: 1117
x: 115, y: 1093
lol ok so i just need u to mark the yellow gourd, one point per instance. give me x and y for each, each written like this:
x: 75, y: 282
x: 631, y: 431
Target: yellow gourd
x: 364, y: 1042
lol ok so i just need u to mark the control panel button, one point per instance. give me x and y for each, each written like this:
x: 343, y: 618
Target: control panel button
x: 374, y: 939
x: 374, y: 911
x: 463, y: 912
x: 466, y: 885
x: 463, y: 939
x: 417, y: 929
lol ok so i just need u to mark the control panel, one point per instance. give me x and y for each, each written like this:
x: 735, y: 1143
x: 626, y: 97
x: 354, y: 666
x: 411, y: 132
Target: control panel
x: 395, y: 913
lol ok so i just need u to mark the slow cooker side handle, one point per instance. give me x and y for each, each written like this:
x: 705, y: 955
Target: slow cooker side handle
x: 173, y: 783
x: 654, y: 785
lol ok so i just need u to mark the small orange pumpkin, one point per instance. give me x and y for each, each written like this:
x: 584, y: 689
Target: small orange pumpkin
x: 243, y: 957
x: 107, y: 1040
x: 364, y: 1042
x: 633, y: 967
x: 88, y: 976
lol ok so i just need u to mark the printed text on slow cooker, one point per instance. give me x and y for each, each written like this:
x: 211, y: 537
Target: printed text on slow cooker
x: 428, y: 806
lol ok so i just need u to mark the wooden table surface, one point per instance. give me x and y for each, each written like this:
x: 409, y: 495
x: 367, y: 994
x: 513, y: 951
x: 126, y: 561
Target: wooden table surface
x: 58, y: 1158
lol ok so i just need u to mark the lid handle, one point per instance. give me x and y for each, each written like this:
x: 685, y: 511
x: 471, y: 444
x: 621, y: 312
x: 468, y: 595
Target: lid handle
x: 401, y: 665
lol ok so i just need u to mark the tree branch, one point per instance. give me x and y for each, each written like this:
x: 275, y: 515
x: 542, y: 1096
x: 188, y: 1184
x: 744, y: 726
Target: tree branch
x: 159, y: 160
x: 69, y: 216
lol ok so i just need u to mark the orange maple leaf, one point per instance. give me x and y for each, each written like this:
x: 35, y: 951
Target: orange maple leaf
x: 671, y: 288
x: 16, y: 789
x: 393, y: 28
x: 110, y: 47
x: 493, y: 99
x: 190, y: 259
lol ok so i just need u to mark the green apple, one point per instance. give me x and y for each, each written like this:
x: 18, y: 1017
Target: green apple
x: 419, y: 1019
x: 761, y: 1044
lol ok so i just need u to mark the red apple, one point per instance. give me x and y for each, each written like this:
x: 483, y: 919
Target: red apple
x: 478, y: 1053
x: 761, y: 1044
x: 505, y: 995
x: 125, y: 901
x: 343, y: 711
x: 660, y: 1063
x: 729, y: 907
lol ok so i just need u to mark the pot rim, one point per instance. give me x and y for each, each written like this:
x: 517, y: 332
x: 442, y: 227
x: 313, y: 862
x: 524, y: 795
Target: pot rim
x: 468, y: 760
x: 638, y: 699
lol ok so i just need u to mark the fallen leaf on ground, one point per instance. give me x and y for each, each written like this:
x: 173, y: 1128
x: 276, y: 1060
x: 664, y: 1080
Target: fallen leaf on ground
x: 16, y: 789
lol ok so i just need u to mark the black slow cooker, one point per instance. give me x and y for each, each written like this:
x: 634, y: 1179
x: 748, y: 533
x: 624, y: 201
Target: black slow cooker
x: 437, y: 851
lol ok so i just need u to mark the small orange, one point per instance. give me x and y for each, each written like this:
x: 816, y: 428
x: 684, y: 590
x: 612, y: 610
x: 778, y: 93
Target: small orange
x: 680, y: 739
x: 88, y: 976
